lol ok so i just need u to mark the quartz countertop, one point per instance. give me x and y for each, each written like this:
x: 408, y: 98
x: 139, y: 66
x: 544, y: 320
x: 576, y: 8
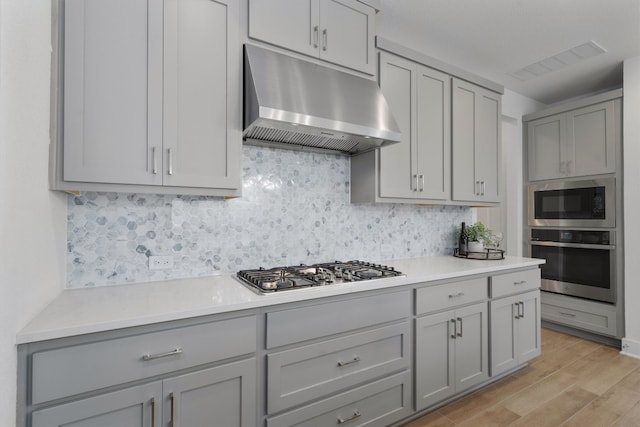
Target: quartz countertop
x: 89, y: 310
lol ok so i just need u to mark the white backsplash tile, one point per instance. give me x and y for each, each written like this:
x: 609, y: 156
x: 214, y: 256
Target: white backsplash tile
x: 295, y: 209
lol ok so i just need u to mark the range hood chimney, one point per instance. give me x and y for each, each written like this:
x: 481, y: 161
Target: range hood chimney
x: 295, y: 104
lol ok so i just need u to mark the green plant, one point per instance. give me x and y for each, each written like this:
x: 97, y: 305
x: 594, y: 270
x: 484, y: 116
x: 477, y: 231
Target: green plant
x: 477, y: 232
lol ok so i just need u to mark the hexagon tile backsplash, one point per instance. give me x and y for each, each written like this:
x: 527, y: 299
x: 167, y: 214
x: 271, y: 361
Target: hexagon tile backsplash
x: 295, y: 209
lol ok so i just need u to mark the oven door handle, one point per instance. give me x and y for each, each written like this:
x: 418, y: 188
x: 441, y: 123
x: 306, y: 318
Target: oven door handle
x: 571, y: 245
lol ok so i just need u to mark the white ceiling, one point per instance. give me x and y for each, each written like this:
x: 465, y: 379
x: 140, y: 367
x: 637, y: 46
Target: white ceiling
x: 492, y: 38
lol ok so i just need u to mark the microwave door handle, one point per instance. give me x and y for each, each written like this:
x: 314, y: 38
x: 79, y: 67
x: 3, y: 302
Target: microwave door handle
x: 572, y: 245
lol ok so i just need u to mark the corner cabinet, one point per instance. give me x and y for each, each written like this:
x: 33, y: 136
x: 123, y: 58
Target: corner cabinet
x: 336, y: 31
x: 151, y: 97
x: 575, y: 143
x: 476, y: 140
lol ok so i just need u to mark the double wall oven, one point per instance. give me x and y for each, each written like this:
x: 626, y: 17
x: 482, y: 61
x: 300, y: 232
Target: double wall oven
x: 573, y: 227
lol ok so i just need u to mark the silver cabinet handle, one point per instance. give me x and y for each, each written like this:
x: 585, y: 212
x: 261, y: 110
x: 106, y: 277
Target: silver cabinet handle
x: 421, y: 182
x: 172, y: 407
x: 567, y: 314
x: 522, y: 306
x: 349, y: 362
x: 482, y: 192
x: 521, y: 282
x: 175, y: 352
x: 325, y: 41
x: 517, y: 307
x: 455, y: 328
x: 154, y: 161
x: 153, y: 412
x: 356, y: 414
x: 459, y: 294
x: 415, y: 177
x: 315, y: 36
x: 170, y: 171
x: 460, y: 333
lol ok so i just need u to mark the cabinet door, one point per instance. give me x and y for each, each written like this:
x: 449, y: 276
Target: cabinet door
x: 112, y: 91
x: 292, y: 24
x: 528, y: 326
x: 433, y: 137
x: 131, y: 407
x: 476, y: 121
x: 398, y: 176
x: 224, y: 396
x: 591, y: 140
x: 504, y: 354
x: 434, y: 358
x: 546, y: 147
x: 346, y: 34
x: 201, y: 94
x: 471, y: 346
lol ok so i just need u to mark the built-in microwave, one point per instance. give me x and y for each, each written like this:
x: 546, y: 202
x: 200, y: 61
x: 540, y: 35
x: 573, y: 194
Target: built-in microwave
x: 586, y: 203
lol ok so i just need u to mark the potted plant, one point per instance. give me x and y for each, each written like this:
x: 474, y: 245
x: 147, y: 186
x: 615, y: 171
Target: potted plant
x: 477, y: 236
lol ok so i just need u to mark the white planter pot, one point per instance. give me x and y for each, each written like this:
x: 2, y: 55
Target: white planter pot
x: 475, y: 247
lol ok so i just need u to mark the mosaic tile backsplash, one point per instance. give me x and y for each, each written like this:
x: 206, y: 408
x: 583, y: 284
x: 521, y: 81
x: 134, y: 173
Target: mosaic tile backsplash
x: 295, y: 209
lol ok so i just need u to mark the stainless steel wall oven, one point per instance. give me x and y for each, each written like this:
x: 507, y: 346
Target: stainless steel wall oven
x: 580, y: 263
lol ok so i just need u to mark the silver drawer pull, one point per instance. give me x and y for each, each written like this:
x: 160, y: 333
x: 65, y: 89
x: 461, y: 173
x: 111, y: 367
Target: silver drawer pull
x: 356, y: 414
x: 147, y: 357
x: 567, y: 314
x: 459, y: 294
x: 349, y: 362
x: 521, y: 282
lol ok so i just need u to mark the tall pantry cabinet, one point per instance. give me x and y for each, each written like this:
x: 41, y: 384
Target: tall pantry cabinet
x: 151, y: 96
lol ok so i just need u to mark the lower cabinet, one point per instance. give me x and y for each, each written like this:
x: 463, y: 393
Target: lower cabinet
x: 451, y: 353
x: 225, y: 393
x: 515, y: 330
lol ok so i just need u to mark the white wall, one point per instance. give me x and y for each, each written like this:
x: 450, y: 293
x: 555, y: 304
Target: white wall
x: 32, y: 219
x: 631, y: 149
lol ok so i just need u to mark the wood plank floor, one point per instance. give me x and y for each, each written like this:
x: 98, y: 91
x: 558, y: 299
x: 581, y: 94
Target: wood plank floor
x: 574, y: 382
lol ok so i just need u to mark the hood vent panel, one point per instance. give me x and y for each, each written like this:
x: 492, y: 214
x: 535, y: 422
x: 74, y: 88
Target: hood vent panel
x: 294, y: 104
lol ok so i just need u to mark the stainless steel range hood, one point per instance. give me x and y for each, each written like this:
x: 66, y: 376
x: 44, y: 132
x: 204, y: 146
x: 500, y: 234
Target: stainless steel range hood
x: 295, y: 104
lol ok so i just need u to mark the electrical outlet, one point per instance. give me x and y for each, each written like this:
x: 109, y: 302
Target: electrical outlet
x: 160, y: 262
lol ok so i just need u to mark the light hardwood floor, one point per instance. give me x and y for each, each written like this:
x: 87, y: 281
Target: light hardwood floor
x: 574, y: 382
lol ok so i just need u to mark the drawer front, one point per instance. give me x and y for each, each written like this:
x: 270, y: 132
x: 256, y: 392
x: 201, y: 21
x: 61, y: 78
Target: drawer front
x: 81, y: 368
x: 603, y: 322
x: 442, y: 297
x: 305, y: 323
x: 515, y: 283
x: 313, y: 371
x: 380, y: 403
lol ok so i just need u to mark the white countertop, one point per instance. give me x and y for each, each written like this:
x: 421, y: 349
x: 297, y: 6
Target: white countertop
x: 88, y: 310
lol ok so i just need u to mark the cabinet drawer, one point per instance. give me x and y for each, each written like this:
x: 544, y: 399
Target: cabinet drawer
x: 598, y: 321
x: 305, y: 323
x: 514, y: 283
x: 81, y: 368
x: 442, y: 297
x: 310, y: 372
x: 380, y: 403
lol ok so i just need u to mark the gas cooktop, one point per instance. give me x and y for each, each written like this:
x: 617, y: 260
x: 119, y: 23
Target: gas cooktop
x: 303, y: 276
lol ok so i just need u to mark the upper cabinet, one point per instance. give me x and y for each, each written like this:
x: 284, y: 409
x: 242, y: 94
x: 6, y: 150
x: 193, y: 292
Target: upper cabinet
x: 574, y: 143
x: 476, y: 115
x: 450, y: 148
x: 152, y: 97
x: 337, y: 31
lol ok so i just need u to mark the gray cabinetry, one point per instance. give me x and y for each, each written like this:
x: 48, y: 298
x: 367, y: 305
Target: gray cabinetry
x: 476, y: 140
x: 515, y: 319
x: 343, y: 360
x: 451, y: 346
x: 574, y: 143
x: 195, y: 371
x: 418, y: 169
x: 151, y: 97
x: 337, y: 31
